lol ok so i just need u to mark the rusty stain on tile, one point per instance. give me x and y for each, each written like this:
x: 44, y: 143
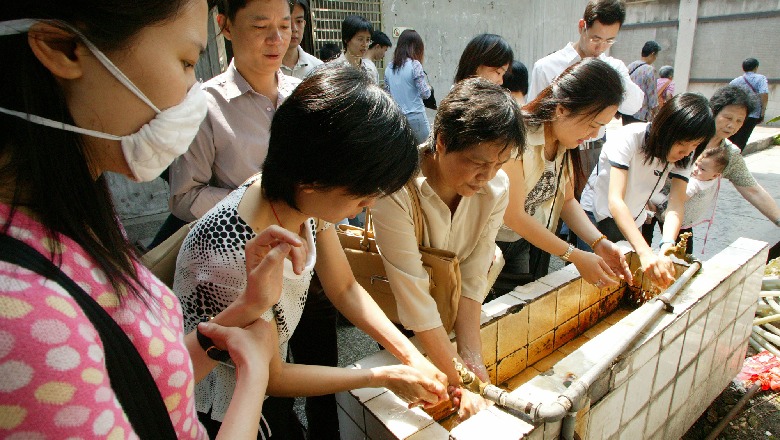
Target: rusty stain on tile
x: 566, y: 332
x: 540, y: 348
x: 568, y: 304
x: 509, y: 366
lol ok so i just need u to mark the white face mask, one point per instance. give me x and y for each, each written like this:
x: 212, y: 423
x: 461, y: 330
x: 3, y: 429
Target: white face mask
x: 152, y: 148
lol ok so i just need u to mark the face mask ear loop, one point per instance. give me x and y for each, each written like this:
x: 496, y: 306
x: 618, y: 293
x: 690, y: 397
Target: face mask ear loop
x: 13, y: 27
x: 60, y: 125
x: 113, y: 69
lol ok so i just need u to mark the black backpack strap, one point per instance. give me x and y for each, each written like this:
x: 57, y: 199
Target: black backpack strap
x: 130, y: 378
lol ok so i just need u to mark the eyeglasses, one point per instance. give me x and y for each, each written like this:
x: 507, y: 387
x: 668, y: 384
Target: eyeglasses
x: 599, y: 41
x: 363, y: 40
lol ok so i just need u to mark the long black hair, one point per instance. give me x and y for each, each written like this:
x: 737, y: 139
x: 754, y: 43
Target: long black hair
x: 686, y: 117
x: 338, y: 130
x: 585, y: 88
x: 45, y: 170
x: 483, y: 50
x: 410, y: 46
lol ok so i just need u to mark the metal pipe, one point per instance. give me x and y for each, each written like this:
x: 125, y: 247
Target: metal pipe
x: 734, y: 411
x: 572, y: 399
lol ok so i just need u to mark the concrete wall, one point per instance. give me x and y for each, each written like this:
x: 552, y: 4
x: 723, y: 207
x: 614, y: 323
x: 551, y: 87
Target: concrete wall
x: 534, y: 28
x: 726, y: 33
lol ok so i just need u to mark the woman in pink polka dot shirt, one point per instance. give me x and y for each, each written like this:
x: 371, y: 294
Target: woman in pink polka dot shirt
x: 100, y: 86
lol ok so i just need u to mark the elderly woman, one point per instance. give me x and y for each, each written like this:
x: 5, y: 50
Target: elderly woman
x: 463, y: 195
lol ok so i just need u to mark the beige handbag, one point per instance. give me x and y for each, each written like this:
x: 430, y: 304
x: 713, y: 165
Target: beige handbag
x: 162, y: 259
x: 442, y: 266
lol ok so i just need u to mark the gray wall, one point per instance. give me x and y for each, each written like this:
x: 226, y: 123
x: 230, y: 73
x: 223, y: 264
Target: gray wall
x: 534, y: 28
x: 728, y: 31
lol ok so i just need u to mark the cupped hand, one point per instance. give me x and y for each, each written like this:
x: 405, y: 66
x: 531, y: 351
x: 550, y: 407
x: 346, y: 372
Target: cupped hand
x: 594, y: 269
x: 468, y: 403
x: 615, y: 259
x: 659, y: 268
x: 410, y: 385
x: 424, y: 366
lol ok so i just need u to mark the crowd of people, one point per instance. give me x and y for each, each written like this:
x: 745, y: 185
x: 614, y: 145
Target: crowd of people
x: 266, y: 159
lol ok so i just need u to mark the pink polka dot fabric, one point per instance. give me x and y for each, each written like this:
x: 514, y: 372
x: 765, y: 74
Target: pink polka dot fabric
x: 53, y: 381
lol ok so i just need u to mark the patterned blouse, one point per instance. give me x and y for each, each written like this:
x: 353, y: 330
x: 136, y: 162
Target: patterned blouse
x: 211, y: 274
x: 53, y: 378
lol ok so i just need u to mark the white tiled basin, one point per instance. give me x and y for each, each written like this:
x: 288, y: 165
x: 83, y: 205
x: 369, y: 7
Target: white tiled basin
x: 561, y: 326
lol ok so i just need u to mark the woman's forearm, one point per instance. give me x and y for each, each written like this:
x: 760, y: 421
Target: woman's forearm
x: 296, y: 380
x: 762, y: 200
x: 243, y: 415
x: 469, y: 338
x: 578, y: 221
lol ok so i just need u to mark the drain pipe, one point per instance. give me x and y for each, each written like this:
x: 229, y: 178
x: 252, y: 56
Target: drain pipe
x: 566, y: 406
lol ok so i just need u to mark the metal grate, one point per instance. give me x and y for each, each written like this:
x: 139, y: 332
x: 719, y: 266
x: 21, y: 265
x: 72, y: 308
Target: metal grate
x: 327, y: 15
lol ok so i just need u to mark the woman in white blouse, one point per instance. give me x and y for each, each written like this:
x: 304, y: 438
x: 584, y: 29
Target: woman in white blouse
x: 632, y: 168
x: 463, y: 195
x: 363, y: 148
x: 578, y: 103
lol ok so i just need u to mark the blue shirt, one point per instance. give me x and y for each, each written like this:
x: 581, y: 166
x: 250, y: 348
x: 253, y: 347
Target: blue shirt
x: 754, y: 84
x: 408, y: 86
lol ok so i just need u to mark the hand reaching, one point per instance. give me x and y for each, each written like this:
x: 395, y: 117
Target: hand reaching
x: 410, y: 384
x: 614, y: 259
x: 659, y: 268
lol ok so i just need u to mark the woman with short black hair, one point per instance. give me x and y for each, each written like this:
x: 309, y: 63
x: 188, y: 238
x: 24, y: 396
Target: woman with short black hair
x: 463, y: 195
x: 356, y: 37
x: 632, y: 168
x: 488, y: 56
x: 363, y: 149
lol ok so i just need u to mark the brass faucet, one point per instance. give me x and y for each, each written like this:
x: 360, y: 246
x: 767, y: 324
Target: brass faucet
x: 679, y: 249
x: 468, y: 379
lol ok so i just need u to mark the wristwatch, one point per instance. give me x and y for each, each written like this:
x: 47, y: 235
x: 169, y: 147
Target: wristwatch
x: 567, y: 254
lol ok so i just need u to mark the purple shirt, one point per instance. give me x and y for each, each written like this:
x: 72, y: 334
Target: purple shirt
x: 643, y: 75
x: 230, y: 146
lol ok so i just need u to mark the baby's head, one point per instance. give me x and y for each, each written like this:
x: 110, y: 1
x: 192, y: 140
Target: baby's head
x: 711, y: 163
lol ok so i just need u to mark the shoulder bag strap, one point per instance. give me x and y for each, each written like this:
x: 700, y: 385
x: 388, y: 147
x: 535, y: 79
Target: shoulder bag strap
x: 744, y: 78
x: 636, y: 67
x: 416, y: 212
x: 130, y: 378
x: 663, y: 88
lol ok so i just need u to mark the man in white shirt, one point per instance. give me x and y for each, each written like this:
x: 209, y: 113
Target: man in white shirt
x: 598, y: 29
x: 297, y: 62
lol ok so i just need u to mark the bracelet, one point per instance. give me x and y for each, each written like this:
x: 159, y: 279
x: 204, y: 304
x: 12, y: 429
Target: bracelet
x: 598, y: 240
x: 208, y: 346
x: 663, y: 242
x: 567, y: 254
